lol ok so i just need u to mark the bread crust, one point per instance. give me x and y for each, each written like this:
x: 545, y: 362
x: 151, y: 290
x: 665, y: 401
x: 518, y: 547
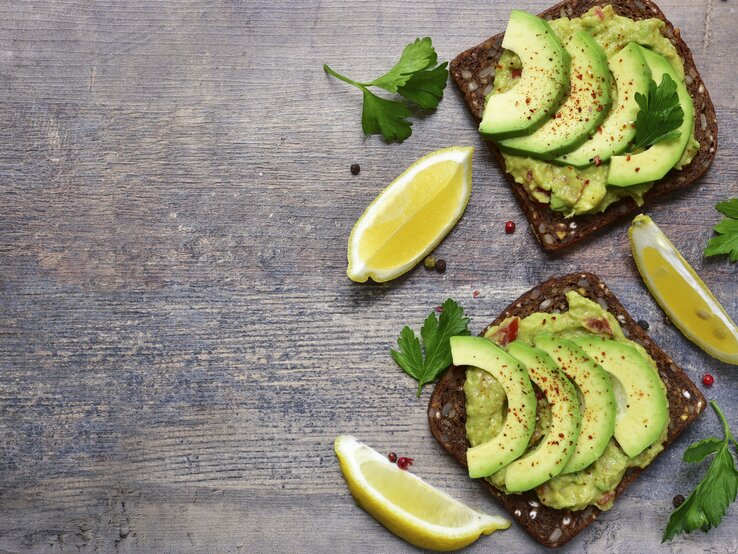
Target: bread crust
x: 447, y: 406
x: 475, y: 67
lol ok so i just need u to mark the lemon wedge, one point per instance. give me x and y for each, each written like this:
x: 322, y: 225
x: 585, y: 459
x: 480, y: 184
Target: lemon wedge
x: 411, y: 216
x: 408, y: 506
x: 681, y: 293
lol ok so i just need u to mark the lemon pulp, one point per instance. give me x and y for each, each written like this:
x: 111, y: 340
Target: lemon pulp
x: 415, y: 218
x: 406, y: 505
x: 691, y: 307
x: 410, y: 216
x: 681, y: 293
x: 404, y: 494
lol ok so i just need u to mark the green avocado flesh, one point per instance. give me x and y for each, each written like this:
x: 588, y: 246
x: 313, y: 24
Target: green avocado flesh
x: 598, y: 399
x: 584, y: 109
x: 556, y: 447
x: 632, y: 76
x: 512, y: 440
x: 585, y: 190
x: 537, y: 94
x: 486, y: 407
x: 655, y: 162
x: 643, y: 410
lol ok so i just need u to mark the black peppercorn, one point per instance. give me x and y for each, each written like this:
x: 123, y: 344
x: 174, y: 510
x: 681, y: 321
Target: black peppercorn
x: 678, y: 500
x: 643, y: 324
x: 440, y: 265
x: 355, y: 168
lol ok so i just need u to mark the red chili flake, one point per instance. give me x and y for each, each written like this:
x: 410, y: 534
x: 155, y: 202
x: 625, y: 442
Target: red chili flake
x: 597, y: 161
x: 599, y: 13
x: 579, y: 76
x: 439, y: 309
x: 627, y: 158
x: 392, y: 457
x: 516, y: 73
x: 708, y: 380
x: 404, y: 463
x: 527, y: 100
x: 638, y: 169
x: 600, y: 107
x: 510, y: 227
x: 475, y: 294
x: 509, y: 333
x: 529, y: 175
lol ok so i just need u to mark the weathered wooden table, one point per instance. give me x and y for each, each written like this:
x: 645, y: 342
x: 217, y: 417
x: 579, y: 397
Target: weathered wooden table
x: 179, y: 344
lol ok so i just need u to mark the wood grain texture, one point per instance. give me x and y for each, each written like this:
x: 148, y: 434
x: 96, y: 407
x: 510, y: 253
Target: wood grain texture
x: 179, y: 344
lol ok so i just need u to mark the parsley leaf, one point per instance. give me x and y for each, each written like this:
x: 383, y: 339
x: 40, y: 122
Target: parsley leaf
x: 425, y: 88
x: 707, y: 504
x: 727, y: 240
x: 701, y: 450
x: 436, y: 334
x: 416, y: 56
x: 385, y: 116
x: 660, y: 114
x: 415, y: 77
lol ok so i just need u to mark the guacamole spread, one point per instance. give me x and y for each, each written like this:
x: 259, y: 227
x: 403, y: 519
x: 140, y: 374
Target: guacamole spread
x: 579, y: 191
x: 486, y: 408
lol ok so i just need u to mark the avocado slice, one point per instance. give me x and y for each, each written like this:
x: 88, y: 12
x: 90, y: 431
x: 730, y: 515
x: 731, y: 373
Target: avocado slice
x: 510, y: 443
x: 583, y: 110
x: 631, y: 75
x: 550, y: 456
x: 598, y: 399
x: 644, y: 410
x: 654, y: 163
x: 541, y: 87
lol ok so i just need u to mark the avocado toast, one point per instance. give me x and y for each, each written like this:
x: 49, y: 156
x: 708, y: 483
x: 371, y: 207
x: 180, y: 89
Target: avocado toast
x: 449, y: 417
x: 560, y: 218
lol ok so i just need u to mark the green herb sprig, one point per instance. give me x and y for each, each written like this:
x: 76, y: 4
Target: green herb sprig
x: 415, y: 77
x: 436, y: 334
x: 707, y: 504
x: 660, y: 114
x: 727, y: 240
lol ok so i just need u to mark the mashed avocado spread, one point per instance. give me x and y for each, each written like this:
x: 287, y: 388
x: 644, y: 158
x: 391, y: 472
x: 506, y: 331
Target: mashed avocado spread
x: 486, y: 408
x: 578, y: 191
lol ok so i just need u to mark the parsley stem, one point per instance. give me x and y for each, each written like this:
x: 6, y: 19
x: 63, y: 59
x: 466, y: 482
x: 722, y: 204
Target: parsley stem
x: 420, y: 388
x: 340, y: 77
x: 726, y: 429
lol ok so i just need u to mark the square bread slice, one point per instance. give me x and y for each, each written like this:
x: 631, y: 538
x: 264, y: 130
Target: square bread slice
x: 473, y: 72
x: 447, y: 407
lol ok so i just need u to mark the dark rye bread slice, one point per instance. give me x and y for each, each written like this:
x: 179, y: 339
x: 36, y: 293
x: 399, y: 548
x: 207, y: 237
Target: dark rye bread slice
x: 447, y: 407
x: 473, y: 73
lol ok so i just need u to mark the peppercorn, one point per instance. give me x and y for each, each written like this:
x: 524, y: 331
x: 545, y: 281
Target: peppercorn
x: 440, y: 265
x: 392, y: 457
x: 708, y: 380
x: 355, y: 168
x: 404, y: 463
x: 510, y: 227
x: 678, y: 500
x: 643, y: 324
x: 429, y: 263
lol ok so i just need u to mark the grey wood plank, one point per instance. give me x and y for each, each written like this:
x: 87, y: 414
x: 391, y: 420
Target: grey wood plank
x: 179, y: 344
